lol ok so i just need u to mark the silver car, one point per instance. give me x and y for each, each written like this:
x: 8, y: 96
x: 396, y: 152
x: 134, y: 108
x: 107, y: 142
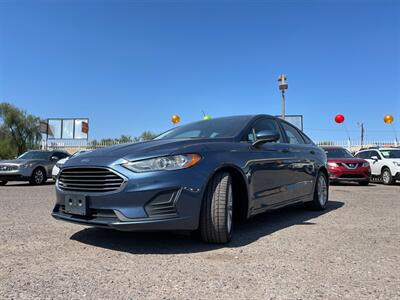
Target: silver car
x: 32, y: 166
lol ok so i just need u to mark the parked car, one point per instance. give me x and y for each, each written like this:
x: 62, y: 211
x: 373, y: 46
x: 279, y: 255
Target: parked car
x: 385, y: 163
x: 61, y: 162
x: 200, y: 177
x: 343, y: 166
x: 33, y: 166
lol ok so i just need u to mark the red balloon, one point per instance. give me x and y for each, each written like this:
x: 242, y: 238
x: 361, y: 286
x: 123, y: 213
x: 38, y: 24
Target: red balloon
x: 339, y: 118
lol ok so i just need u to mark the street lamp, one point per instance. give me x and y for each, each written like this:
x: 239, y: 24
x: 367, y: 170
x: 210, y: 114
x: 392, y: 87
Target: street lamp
x: 283, y: 86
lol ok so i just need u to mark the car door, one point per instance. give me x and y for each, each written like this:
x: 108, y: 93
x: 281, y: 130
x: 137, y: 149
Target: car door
x: 301, y: 170
x: 376, y: 164
x: 267, y: 167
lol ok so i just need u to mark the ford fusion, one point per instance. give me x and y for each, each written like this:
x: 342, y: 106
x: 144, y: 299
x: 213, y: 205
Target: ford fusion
x: 201, y: 177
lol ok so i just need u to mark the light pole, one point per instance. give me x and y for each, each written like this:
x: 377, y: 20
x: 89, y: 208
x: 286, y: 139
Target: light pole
x: 361, y: 124
x: 283, y: 86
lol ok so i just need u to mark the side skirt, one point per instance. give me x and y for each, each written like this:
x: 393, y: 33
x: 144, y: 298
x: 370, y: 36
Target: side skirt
x: 303, y: 199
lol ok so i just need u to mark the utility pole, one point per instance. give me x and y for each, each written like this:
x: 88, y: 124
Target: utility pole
x: 362, y: 134
x: 283, y: 86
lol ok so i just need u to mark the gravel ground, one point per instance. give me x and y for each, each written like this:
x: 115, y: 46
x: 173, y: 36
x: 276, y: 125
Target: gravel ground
x: 349, y: 251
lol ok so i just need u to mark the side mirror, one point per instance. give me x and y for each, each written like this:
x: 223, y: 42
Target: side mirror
x: 266, y: 136
x: 54, y: 158
x: 375, y: 158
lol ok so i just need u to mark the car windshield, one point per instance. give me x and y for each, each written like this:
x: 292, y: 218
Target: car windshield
x: 338, y: 153
x: 214, y: 128
x: 35, y: 155
x: 395, y: 153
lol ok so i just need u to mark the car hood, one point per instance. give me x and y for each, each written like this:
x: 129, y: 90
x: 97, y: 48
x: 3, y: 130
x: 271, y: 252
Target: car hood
x: 19, y: 161
x: 353, y: 160
x: 147, y: 149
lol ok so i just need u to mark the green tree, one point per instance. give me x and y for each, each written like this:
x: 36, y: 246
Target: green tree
x: 21, y: 131
x: 147, y: 135
x: 124, y: 139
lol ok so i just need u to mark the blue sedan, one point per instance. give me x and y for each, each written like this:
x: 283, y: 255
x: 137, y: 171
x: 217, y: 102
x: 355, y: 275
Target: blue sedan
x: 202, y: 177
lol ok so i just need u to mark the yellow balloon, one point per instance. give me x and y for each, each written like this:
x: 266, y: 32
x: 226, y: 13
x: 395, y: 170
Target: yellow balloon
x: 206, y: 118
x: 388, y: 119
x: 175, y: 119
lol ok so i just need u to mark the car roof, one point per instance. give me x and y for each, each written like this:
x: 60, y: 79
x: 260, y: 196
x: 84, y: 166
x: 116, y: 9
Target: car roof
x: 389, y: 148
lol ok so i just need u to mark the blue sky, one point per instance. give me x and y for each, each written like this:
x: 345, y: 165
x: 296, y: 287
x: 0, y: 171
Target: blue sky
x: 130, y: 65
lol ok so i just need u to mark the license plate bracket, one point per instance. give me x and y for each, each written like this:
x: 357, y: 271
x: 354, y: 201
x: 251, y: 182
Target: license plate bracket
x: 76, y: 205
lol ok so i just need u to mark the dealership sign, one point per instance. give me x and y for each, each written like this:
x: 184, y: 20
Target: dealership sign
x: 67, y: 129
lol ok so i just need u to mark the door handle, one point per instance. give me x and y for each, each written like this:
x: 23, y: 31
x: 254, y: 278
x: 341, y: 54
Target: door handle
x: 285, y: 150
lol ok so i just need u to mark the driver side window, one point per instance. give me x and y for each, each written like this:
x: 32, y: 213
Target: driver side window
x: 260, y: 125
x: 374, y: 153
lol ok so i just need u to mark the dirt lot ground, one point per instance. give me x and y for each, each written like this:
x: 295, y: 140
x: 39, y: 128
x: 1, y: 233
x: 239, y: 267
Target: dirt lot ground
x: 349, y: 251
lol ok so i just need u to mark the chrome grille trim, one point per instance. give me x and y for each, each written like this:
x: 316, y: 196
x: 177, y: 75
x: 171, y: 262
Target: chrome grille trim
x: 355, y: 165
x: 90, y: 180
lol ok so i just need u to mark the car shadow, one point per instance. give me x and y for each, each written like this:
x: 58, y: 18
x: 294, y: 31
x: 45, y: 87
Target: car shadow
x: 179, y: 242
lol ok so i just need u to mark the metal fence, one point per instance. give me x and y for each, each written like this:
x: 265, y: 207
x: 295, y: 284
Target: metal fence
x: 73, y: 146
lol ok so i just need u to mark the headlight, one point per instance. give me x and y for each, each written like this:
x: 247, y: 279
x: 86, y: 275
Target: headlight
x: 166, y: 163
x: 332, y: 164
x: 396, y: 163
x: 28, y: 165
x: 59, y: 165
x: 365, y: 164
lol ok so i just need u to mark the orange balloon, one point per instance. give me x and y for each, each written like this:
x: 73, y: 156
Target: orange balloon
x: 388, y: 119
x: 175, y: 119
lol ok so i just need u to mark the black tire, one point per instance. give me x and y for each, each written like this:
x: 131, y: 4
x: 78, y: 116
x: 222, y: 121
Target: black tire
x: 38, y: 177
x: 3, y: 182
x: 216, y: 217
x: 320, y: 198
x: 386, y: 176
x: 364, y: 183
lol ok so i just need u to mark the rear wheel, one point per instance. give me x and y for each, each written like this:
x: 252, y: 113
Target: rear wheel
x: 216, y: 219
x: 387, y: 177
x: 38, y: 177
x: 321, y: 193
x: 3, y: 182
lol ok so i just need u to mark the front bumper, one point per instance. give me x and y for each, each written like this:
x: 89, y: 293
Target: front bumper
x: 168, y: 200
x: 20, y: 174
x: 354, y: 175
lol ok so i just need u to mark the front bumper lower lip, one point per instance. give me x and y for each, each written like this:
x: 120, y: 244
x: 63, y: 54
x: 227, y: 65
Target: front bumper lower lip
x: 147, y: 224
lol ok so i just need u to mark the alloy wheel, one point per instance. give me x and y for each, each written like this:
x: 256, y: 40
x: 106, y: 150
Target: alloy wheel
x: 38, y: 177
x: 385, y: 177
x: 322, y: 190
x: 229, y: 210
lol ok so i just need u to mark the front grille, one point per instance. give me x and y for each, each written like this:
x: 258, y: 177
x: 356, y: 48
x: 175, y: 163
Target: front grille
x: 89, y: 180
x: 352, y: 165
x: 8, y: 168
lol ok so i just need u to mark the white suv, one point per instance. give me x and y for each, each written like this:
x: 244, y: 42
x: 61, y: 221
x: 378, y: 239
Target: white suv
x: 384, y: 162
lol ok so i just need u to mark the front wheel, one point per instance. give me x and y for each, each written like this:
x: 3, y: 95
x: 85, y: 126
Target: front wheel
x: 387, y: 177
x: 3, y: 182
x: 216, y: 219
x: 321, y: 193
x: 38, y: 177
